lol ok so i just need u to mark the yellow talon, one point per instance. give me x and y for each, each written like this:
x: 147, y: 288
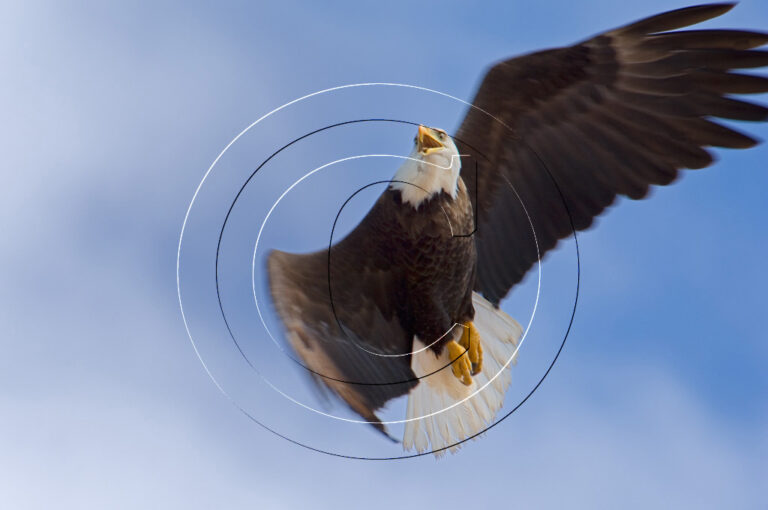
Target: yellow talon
x: 470, y: 341
x: 460, y: 364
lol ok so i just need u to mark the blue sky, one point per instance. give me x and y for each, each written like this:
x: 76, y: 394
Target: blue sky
x: 113, y: 114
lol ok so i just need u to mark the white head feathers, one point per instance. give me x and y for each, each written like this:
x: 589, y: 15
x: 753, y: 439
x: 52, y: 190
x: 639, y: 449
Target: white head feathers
x: 433, y: 166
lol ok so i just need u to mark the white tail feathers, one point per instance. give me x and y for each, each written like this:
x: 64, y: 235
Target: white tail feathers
x: 443, y: 411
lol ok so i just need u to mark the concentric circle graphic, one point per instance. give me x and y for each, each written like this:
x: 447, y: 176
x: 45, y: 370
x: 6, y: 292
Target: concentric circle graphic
x: 192, y: 321
x: 330, y: 243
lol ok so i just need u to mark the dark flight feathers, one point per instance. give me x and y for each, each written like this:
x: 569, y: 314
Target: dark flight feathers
x: 609, y: 116
x: 348, y: 361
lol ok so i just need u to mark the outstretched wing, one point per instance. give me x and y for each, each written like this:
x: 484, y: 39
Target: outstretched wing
x: 609, y: 116
x: 345, y: 327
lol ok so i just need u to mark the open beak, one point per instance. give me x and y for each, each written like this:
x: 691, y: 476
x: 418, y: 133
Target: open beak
x: 428, y: 141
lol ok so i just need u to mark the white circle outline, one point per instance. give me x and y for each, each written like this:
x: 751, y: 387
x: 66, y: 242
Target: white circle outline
x: 253, y: 283
x: 239, y: 135
x: 261, y: 318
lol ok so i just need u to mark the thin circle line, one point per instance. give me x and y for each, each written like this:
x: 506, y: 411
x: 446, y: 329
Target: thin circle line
x: 253, y: 282
x: 237, y: 196
x: 186, y: 324
x: 236, y: 138
x: 258, y: 308
x: 501, y: 370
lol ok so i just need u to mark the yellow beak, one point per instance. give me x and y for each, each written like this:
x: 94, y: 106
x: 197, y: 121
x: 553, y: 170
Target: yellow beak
x: 428, y: 142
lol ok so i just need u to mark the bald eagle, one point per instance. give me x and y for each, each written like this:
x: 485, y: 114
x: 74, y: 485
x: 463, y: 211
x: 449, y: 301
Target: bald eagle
x: 408, y: 302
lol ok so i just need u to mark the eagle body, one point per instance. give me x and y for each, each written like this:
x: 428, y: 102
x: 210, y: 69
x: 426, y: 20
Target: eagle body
x: 419, y: 260
x: 432, y: 244
x: 406, y: 277
x: 553, y: 137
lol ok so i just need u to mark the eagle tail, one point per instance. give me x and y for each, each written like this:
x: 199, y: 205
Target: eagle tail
x: 441, y: 410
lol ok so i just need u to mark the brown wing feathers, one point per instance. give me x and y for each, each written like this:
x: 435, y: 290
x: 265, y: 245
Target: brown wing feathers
x: 609, y: 116
x: 340, y: 342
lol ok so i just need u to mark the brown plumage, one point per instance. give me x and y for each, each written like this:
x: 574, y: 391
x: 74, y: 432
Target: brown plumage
x: 557, y: 135
x: 381, y: 291
x: 609, y: 116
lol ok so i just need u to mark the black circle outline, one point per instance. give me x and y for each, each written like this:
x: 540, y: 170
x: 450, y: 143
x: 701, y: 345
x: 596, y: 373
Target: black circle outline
x: 226, y: 219
x: 489, y: 427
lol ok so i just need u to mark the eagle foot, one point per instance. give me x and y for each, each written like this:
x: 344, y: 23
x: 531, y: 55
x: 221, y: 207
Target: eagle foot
x: 470, y: 341
x: 460, y: 364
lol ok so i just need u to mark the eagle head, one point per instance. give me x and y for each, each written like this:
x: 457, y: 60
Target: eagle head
x: 433, y: 166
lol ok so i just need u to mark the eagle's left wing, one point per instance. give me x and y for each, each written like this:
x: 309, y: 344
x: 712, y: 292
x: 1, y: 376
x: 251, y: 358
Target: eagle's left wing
x: 583, y: 124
